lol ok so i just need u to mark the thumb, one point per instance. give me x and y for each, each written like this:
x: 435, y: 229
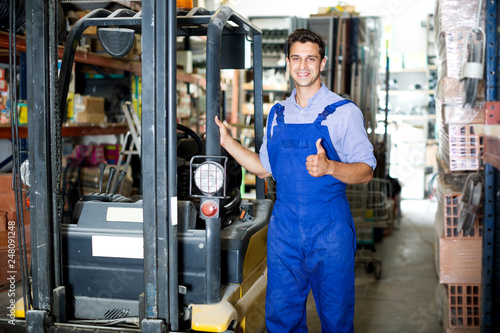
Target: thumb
x: 218, y: 122
x: 320, y: 148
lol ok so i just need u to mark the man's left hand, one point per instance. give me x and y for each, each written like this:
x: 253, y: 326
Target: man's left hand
x: 318, y: 165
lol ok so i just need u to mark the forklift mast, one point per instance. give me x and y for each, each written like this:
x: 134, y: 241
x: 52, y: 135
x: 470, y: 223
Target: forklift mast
x: 159, y: 23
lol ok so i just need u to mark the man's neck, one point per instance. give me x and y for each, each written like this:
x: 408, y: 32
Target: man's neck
x: 303, y: 94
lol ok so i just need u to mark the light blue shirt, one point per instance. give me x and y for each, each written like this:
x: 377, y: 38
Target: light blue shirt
x: 345, y: 125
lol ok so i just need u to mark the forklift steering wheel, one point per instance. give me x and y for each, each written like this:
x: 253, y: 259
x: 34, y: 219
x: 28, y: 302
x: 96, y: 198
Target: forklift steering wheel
x: 193, y: 135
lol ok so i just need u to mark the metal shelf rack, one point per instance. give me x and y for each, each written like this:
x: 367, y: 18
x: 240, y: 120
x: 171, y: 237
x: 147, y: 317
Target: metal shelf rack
x: 490, y: 316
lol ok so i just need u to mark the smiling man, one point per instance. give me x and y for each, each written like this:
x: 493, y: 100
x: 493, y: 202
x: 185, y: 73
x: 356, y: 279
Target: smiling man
x: 315, y: 144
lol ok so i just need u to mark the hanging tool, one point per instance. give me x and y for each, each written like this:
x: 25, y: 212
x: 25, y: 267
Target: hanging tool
x: 473, y: 69
x: 470, y: 202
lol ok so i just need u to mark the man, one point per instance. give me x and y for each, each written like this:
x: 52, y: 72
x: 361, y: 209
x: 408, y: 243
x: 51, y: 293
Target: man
x: 315, y: 144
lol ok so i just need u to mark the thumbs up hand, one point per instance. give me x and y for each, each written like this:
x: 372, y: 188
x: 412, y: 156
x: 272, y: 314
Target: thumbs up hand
x: 318, y: 165
x: 320, y: 148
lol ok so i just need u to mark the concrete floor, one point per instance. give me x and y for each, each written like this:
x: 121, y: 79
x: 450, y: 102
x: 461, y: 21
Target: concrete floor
x: 404, y: 299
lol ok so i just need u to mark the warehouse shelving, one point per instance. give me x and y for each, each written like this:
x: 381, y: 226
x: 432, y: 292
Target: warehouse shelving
x: 490, y: 302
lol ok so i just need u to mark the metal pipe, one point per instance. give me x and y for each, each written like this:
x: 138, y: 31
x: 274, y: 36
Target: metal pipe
x: 258, y: 103
x: 173, y: 282
x: 16, y: 152
x: 55, y: 139
x: 214, y: 44
x: 386, y: 100
x: 162, y: 71
x: 38, y: 104
x: 148, y: 161
x: 69, y: 54
x: 98, y: 17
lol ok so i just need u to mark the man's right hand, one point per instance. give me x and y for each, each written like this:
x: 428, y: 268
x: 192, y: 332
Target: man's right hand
x: 224, y: 135
x: 246, y: 158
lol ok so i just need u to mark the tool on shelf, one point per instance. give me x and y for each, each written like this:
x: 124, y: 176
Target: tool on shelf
x: 473, y: 68
x: 470, y: 203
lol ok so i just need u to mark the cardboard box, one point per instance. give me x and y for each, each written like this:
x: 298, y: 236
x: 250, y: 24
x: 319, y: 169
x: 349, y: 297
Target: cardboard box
x: 451, y: 47
x: 8, y: 214
x: 90, y: 118
x: 89, y: 109
x: 93, y: 104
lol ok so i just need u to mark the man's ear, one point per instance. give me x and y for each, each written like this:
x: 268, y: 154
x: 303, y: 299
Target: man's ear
x: 323, y: 64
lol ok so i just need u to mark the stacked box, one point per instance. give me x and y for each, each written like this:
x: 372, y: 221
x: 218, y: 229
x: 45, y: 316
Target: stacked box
x: 461, y: 147
x: 450, y: 99
x: 451, y: 48
x: 458, y: 263
x: 9, y: 236
x: 89, y: 109
x: 111, y: 153
x: 463, y: 307
x: 458, y: 257
x: 457, y: 14
x: 451, y: 216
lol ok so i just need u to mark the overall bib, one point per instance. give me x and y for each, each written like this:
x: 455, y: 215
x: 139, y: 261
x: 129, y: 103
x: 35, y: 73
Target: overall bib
x: 311, y: 238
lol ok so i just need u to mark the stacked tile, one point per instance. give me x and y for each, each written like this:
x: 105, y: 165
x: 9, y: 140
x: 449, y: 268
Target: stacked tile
x: 458, y: 263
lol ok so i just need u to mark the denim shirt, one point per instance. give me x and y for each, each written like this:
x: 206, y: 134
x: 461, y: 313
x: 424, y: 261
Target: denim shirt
x: 345, y: 125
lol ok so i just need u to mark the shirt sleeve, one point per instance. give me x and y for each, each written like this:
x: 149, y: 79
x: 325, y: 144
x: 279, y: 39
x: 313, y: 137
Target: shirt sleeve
x: 352, y: 143
x: 263, y: 153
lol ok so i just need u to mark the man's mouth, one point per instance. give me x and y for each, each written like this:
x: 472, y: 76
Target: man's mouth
x: 302, y: 74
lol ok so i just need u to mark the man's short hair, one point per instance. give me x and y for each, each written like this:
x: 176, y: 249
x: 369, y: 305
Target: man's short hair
x: 304, y: 36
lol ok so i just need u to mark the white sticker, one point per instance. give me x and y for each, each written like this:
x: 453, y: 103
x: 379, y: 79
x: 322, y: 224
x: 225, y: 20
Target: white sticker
x: 173, y: 210
x: 124, y: 214
x: 117, y: 247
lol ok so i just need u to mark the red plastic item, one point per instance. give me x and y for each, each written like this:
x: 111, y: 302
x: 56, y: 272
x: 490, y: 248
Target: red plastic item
x: 209, y: 208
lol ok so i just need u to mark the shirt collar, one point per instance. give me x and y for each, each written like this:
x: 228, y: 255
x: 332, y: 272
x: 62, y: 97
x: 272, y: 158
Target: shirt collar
x: 310, y: 102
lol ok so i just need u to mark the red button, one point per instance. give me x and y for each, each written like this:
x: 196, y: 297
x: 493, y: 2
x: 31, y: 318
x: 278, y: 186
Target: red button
x: 209, y: 208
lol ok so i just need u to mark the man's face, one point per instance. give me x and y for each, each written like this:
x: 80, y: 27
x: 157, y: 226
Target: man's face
x: 305, y: 64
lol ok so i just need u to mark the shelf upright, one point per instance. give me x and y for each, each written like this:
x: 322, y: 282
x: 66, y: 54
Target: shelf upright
x: 45, y: 161
x: 490, y: 284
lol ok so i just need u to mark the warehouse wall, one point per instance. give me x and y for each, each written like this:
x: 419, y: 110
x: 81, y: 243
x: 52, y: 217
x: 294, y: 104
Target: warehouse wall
x: 404, y: 15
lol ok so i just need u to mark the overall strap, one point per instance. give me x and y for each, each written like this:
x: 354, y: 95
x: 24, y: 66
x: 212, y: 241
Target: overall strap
x: 279, y: 110
x: 330, y: 109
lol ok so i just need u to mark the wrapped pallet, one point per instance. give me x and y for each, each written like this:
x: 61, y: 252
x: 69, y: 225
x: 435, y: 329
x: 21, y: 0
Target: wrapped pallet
x: 458, y: 122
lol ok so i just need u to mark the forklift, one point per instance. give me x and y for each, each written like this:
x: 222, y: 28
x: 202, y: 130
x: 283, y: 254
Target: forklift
x: 188, y: 254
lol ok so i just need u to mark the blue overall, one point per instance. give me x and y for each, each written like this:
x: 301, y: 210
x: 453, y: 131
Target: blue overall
x: 311, y: 239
